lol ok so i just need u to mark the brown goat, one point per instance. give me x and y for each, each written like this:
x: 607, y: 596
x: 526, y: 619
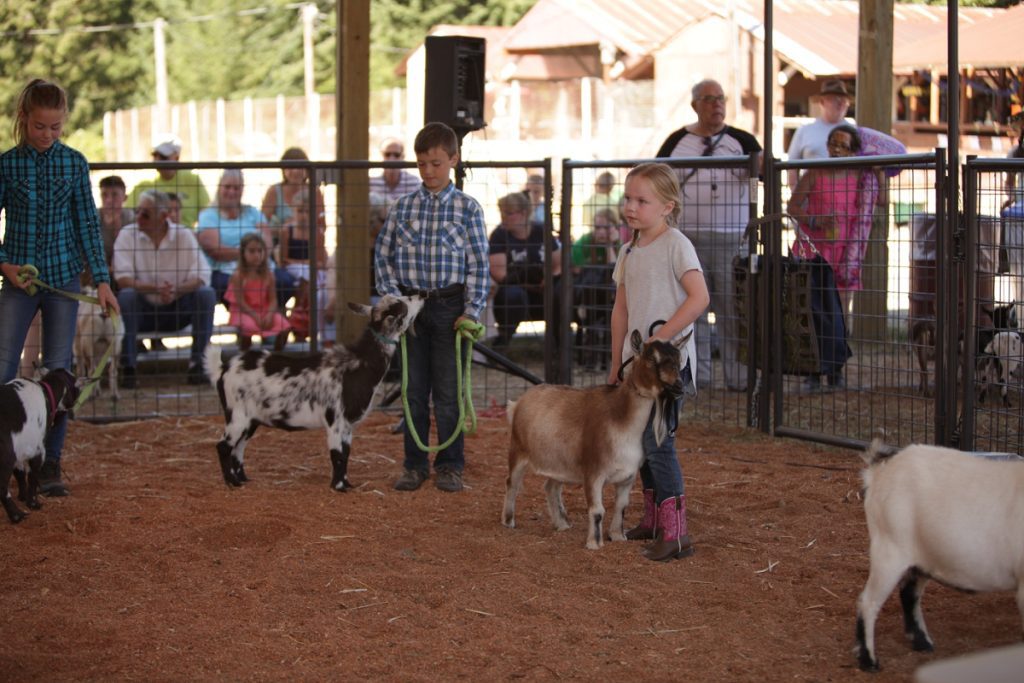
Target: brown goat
x: 590, y: 436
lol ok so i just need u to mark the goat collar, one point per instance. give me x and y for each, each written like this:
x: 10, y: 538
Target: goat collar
x: 384, y: 340
x: 53, y: 402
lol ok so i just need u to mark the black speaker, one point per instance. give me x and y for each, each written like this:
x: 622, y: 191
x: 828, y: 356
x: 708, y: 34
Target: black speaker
x: 454, y: 92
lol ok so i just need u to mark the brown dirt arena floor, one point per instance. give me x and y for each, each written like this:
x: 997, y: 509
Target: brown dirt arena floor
x: 154, y: 570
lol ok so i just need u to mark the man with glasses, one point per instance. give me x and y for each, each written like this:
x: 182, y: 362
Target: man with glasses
x: 185, y: 184
x: 164, y: 283
x: 715, y: 211
x: 811, y: 141
x: 393, y: 182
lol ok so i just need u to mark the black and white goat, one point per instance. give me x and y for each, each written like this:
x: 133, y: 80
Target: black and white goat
x: 27, y: 411
x: 937, y: 513
x: 589, y: 436
x: 333, y: 389
x: 1001, y: 362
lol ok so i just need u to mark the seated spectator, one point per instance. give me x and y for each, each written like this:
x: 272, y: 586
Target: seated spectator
x: 251, y: 295
x: 280, y: 197
x: 174, y: 210
x: 295, y: 258
x: 221, y: 228
x: 393, y: 183
x: 593, y: 260
x: 185, y: 184
x: 534, y: 190
x: 114, y: 215
x: 517, y: 266
x: 606, y: 196
x: 599, y: 247
x: 163, y: 281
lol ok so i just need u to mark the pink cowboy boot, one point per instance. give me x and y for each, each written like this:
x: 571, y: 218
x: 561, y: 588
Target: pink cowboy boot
x: 673, y: 541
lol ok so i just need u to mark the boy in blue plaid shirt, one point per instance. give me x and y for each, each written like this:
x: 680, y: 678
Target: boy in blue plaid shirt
x: 52, y: 223
x: 434, y: 244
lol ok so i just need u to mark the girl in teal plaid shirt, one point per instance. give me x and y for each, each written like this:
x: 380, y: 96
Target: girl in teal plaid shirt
x: 51, y: 223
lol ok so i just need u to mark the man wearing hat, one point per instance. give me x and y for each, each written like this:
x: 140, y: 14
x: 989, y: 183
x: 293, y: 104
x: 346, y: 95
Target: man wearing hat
x: 185, y: 184
x: 811, y: 141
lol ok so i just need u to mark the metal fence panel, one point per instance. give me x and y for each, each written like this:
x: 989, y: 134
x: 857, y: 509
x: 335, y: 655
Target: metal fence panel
x: 887, y: 384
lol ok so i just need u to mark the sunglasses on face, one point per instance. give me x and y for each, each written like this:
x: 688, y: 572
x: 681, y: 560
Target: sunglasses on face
x: 144, y: 214
x: 711, y: 99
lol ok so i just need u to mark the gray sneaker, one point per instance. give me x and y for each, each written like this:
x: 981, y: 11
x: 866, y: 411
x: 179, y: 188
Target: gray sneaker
x: 448, y: 480
x: 50, y: 483
x: 410, y: 480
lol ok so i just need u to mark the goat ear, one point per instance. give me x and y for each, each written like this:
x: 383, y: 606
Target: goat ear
x: 680, y: 342
x: 636, y: 341
x: 361, y: 309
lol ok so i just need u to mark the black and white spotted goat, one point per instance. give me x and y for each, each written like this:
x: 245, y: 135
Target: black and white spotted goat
x: 333, y: 389
x: 27, y: 411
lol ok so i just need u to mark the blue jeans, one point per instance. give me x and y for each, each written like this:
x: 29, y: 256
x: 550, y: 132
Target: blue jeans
x: 514, y: 304
x: 432, y: 374
x: 59, y: 317
x: 661, y: 471
x: 195, y: 308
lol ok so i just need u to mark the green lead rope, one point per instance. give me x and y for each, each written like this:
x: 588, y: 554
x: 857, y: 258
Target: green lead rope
x: 473, y: 331
x: 29, y: 273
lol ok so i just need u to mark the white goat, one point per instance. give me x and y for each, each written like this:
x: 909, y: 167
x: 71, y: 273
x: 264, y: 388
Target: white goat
x: 95, y: 332
x: 589, y: 436
x: 938, y: 513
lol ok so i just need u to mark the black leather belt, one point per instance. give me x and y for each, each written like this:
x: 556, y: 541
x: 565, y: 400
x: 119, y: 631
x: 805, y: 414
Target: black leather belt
x: 444, y: 293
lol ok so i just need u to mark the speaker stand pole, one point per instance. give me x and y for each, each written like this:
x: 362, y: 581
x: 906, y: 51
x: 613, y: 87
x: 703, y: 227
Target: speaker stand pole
x: 460, y: 168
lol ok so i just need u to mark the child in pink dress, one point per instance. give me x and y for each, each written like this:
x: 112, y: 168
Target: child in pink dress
x: 252, y: 298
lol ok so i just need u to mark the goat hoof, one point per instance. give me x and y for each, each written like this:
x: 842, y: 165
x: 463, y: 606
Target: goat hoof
x: 342, y: 486
x: 34, y: 504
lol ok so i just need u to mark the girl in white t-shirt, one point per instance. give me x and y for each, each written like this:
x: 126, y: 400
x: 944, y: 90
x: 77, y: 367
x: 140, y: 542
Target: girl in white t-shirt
x: 661, y: 291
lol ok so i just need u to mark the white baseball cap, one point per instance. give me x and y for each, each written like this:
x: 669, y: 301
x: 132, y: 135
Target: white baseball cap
x: 166, y: 144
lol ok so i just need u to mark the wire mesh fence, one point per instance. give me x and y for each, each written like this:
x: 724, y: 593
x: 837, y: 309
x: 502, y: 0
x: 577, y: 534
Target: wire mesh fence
x: 906, y: 325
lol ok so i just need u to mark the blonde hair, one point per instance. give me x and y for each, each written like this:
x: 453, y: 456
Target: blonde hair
x: 38, y: 94
x: 228, y: 174
x: 517, y: 201
x: 666, y: 188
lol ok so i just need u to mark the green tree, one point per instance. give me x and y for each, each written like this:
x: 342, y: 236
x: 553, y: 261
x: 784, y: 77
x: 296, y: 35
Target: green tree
x: 100, y: 70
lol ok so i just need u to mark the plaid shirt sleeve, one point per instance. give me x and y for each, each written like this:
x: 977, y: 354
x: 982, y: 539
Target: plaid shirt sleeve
x: 86, y: 219
x: 477, y: 262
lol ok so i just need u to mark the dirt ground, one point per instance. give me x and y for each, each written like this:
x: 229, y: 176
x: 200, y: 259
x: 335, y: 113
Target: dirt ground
x: 154, y: 570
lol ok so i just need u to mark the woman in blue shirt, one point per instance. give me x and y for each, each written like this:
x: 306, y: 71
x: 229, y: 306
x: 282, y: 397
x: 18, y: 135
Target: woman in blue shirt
x: 51, y: 223
x: 221, y: 228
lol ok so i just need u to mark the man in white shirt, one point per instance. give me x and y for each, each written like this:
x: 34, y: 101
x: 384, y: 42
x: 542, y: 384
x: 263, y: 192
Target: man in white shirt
x: 715, y: 212
x: 811, y: 140
x: 164, y: 282
x: 394, y: 182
